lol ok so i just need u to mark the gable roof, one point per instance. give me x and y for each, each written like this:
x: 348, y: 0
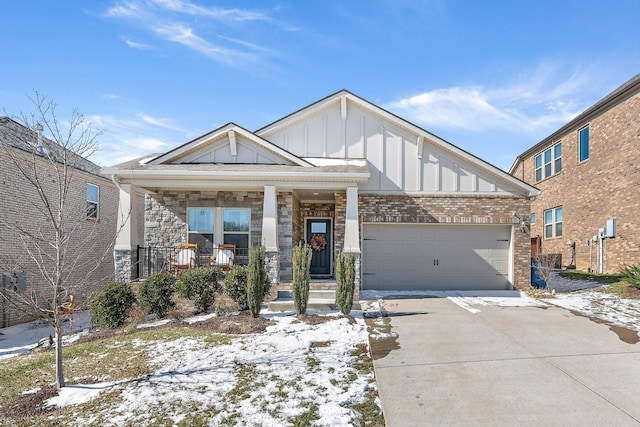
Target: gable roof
x: 20, y: 137
x: 622, y: 92
x: 343, y: 96
x: 229, y: 130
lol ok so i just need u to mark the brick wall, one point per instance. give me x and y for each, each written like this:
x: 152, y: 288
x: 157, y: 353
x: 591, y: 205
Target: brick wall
x: 604, y: 186
x: 89, y: 258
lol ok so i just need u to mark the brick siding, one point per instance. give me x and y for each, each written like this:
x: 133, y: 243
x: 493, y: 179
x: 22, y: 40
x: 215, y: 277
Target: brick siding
x: 604, y: 186
x: 89, y: 258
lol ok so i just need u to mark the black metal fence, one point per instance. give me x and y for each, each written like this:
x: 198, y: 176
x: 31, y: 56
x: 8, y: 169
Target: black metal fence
x: 155, y: 259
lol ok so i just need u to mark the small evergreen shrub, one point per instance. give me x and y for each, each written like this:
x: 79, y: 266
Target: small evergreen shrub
x: 156, y: 293
x: 200, y: 285
x: 109, y: 306
x: 235, y: 286
x: 301, y: 277
x: 345, y: 282
x: 631, y: 275
x: 258, y: 284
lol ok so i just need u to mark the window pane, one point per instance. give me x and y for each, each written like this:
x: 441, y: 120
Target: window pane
x: 547, y: 156
x: 92, y: 210
x: 559, y: 229
x: 236, y: 220
x: 532, y: 219
x: 538, y: 174
x: 240, y: 240
x: 558, y: 214
x: 557, y: 150
x: 92, y: 193
x: 201, y: 220
x: 558, y: 165
x: 548, y: 229
x: 318, y: 227
x: 538, y: 161
x: 204, y: 242
x: 584, y: 144
x: 548, y: 217
x: 547, y: 170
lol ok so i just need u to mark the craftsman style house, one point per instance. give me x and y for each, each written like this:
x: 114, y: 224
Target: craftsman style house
x: 90, y: 218
x: 589, y: 176
x: 343, y: 175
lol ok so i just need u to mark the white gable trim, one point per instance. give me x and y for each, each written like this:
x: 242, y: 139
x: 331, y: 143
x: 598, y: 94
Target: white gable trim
x: 231, y: 131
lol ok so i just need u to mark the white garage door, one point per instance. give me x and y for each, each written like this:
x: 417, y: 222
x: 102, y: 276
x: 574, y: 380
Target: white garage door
x: 435, y: 257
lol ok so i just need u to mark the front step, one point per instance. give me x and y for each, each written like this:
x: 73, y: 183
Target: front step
x: 319, y: 299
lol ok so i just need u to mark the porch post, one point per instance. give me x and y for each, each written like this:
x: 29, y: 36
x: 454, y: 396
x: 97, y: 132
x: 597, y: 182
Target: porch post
x: 270, y: 232
x: 352, y: 235
x: 351, y: 225
x: 125, y: 252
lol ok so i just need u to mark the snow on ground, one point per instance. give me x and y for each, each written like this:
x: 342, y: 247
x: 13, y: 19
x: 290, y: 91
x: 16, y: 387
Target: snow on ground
x: 259, y: 379
x: 278, y: 374
x: 20, y: 338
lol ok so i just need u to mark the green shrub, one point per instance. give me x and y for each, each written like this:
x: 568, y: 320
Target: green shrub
x: 200, y: 285
x: 631, y: 275
x: 300, y: 284
x: 345, y: 282
x: 258, y: 284
x: 156, y: 293
x: 109, y: 305
x: 235, y: 286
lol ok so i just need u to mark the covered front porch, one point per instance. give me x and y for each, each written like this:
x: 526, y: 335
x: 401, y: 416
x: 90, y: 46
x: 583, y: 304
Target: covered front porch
x: 156, y: 216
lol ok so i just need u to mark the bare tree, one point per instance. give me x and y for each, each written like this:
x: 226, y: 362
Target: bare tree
x: 58, y: 244
x: 543, y: 266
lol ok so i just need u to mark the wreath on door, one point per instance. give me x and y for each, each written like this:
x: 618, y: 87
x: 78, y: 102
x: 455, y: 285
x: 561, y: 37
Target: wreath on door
x: 318, y: 242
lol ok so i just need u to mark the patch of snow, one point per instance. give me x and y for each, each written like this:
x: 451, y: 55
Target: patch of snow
x: 23, y: 337
x: 153, y: 324
x: 76, y: 394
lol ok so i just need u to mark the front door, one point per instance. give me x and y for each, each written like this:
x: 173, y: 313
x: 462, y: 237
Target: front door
x: 319, y: 238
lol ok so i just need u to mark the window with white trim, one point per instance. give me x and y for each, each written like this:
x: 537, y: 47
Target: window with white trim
x: 583, y: 144
x: 532, y: 219
x: 549, y: 162
x: 209, y: 227
x: 93, y: 198
x: 553, y: 223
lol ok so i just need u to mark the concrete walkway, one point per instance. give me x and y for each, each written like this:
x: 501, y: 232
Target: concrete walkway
x: 502, y: 366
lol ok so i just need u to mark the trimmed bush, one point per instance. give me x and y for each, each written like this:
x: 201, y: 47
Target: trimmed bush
x: 345, y: 282
x: 631, y: 275
x: 258, y: 284
x: 300, y: 284
x: 109, y: 306
x: 235, y: 286
x: 156, y: 293
x: 200, y: 285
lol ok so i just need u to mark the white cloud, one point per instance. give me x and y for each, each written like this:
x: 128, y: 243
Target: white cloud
x: 542, y: 100
x: 136, y: 45
x: 132, y: 137
x: 177, y: 21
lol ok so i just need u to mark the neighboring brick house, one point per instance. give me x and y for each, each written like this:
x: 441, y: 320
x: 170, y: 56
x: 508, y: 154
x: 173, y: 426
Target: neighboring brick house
x: 91, y: 209
x: 588, y: 173
x: 344, y: 174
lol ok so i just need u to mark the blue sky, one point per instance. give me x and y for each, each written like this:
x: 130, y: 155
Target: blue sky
x: 492, y: 77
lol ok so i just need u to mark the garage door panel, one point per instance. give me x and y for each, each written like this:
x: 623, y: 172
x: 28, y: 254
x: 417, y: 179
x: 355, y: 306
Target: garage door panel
x: 421, y: 256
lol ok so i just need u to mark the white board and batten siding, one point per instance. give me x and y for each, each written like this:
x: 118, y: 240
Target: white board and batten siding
x: 436, y: 257
x: 394, y: 162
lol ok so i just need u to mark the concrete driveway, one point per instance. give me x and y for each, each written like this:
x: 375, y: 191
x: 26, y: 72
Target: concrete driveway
x: 502, y: 366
